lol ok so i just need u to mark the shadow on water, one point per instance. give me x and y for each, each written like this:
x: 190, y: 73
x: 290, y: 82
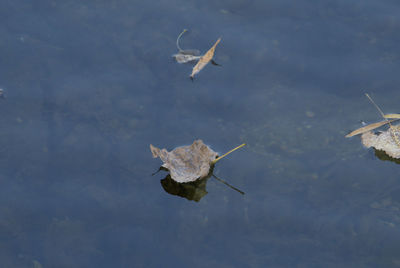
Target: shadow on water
x: 382, y: 155
x: 193, y: 191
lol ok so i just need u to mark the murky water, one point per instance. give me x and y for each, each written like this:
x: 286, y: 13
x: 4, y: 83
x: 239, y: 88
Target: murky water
x: 89, y: 85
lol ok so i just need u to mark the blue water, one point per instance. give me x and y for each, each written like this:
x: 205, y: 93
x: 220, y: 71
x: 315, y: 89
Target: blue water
x: 90, y: 84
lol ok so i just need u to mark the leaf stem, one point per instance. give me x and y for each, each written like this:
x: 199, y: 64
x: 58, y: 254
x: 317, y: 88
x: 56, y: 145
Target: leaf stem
x: 231, y: 151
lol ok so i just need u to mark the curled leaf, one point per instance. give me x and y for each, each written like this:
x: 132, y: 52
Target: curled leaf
x: 204, y: 60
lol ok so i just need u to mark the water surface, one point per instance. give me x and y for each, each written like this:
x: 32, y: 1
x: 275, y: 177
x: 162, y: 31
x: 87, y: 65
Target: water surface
x: 90, y: 84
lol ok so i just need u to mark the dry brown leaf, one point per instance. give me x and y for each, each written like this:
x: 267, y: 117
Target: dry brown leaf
x: 385, y: 141
x: 204, y: 60
x: 187, y: 163
x: 369, y: 127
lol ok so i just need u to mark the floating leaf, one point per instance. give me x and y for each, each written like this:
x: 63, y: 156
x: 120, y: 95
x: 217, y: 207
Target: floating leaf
x: 374, y: 125
x: 187, y: 163
x: 386, y: 141
x: 393, y: 130
x: 185, y: 58
x: 185, y: 55
x: 397, y: 116
x: 369, y: 127
x: 205, y: 59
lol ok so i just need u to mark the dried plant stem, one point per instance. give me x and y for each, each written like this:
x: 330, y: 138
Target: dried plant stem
x: 394, y: 116
x: 369, y: 127
x: 227, y: 184
x: 179, y: 37
x: 231, y: 151
x: 392, y: 129
x: 377, y: 107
